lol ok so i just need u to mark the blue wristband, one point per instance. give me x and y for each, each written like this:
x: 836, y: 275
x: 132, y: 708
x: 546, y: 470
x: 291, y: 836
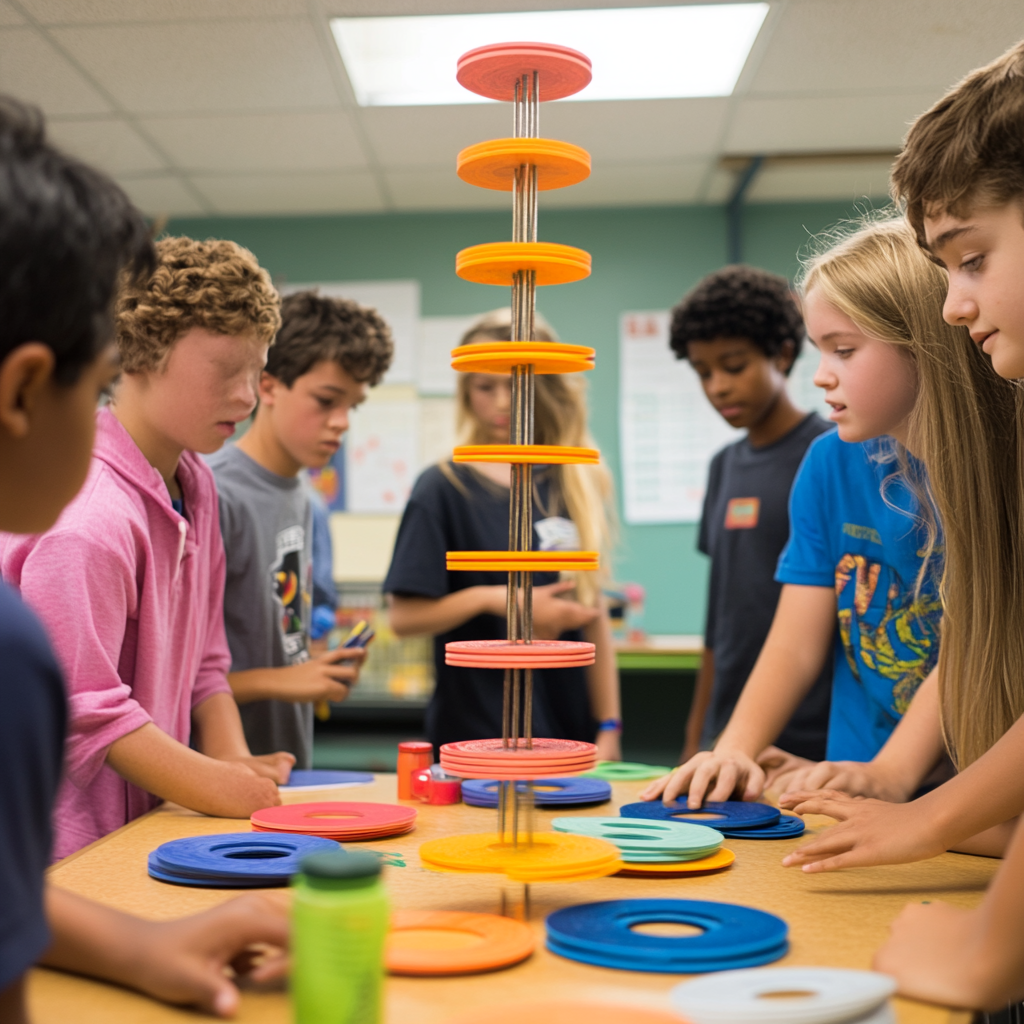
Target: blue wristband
x: 610, y: 724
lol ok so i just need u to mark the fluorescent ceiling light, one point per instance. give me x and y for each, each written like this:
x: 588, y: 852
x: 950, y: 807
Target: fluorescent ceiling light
x: 639, y: 53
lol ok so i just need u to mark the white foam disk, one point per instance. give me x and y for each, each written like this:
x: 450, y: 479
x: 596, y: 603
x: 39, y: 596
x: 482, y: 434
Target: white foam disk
x: 745, y: 997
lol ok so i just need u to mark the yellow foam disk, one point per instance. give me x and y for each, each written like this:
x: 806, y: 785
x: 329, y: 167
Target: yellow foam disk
x: 493, y: 164
x: 496, y: 262
x: 502, y: 356
x: 528, y: 561
x: 552, y: 856
x: 529, y: 454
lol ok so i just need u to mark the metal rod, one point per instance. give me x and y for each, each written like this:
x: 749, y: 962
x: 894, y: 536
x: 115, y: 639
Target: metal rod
x: 515, y: 814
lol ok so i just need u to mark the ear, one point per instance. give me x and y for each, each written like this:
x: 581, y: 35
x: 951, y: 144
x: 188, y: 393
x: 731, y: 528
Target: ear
x: 786, y: 356
x: 24, y: 376
x: 267, y: 388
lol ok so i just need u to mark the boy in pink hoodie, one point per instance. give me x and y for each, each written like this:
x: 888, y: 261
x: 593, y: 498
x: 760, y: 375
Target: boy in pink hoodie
x: 130, y: 580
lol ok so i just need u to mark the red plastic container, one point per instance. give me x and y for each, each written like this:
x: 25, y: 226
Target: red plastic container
x: 413, y: 756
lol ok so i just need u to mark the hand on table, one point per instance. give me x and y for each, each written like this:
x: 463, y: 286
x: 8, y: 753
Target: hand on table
x: 779, y: 766
x: 553, y: 615
x: 239, y: 788
x: 609, y: 745
x: 855, y: 778
x: 277, y: 767
x: 869, y: 832
x: 711, y: 774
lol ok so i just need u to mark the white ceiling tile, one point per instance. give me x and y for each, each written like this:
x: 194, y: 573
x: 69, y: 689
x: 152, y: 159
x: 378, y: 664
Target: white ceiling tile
x: 109, y: 144
x: 762, y: 125
x: 845, y: 181
x: 73, y: 12
x: 439, y: 188
x: 210, y: 67
x: 321, y: 140
x: 160, y: 195
x: 638, y: 184
x: 9, y: 16
x: 878, y: 44
x: 354, y: 192
x: 33, y: 70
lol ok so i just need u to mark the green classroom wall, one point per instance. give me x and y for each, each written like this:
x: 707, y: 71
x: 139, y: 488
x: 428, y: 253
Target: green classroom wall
x: 644, y: 258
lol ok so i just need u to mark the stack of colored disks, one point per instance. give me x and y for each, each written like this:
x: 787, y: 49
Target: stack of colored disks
x: 502, y: 654
x: 522, y: 561
x: 234, y: 860
x: 489, y: 759
x: 532, y: 454
x: 787, y: 995
x: 549, y: 857
x: 558, y: 1012
x: 718, y: 861
x: 566, y: 792
x: 626, y: 771
x: 735, y: 819
x: 652, y: 842
x: 351, y: 822
x: 544, y: 356
x: 320, y: 778
x: 436, y: 942
x: 604, y: 934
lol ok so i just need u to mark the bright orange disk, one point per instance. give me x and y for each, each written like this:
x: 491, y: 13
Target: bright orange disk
x: 560, y: 1012
x: 493, y: 164
x: 522, y: 561
x: 496, y: 262
x: 543, y: 356
x: 718, y: 861
x: 433, y: 942
x: 528, y: 454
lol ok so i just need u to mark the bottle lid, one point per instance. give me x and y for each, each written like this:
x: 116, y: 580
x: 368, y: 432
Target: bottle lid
x: 340, y: 865
x: 415, y: 746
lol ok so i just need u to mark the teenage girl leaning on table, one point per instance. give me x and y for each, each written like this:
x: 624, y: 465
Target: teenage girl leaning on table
x: 465, y: 508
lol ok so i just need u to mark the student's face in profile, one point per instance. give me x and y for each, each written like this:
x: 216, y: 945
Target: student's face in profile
x: 46, y: 434
x: 490, y: 401
x: 983, y: 254
x: 870, y: 384
x: 741, y: 382
x: 311, y: 417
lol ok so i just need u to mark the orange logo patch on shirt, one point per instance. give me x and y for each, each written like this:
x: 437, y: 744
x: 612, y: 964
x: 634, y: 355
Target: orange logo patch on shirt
x: 742, y: 513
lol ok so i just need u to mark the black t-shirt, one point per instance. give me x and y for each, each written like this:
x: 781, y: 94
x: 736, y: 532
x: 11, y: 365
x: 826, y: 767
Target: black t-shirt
x: 32, y: 724
x: 472, y: 515
x: 744, y: 527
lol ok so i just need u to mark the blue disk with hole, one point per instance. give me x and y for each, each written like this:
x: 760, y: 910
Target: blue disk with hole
x: 787, y: 827
x: 325, y: 777
x: 155, y: 871
x: 564, y: 792
x: 729, y: 815
x: 244, y: 857
x: 730, y: 935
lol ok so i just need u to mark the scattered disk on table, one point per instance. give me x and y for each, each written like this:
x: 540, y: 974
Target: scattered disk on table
x: 731, y: 815
x: 602, y: 934
x: 640, y: 840
x: 626, y: 771
x: 494, y: 70
x: 488, y: 759
x: 351, y: 822
x: 530, y: 454
x: 565, y: 792
x: 233, y: 860
x: 436, y: 942
x: 558, y: 1012
x: 497, y: 262
x: 824, y: 995
x: 787, y: 827
x: 503, y: 654
x: 522, y: 561
x: 718, y: 861
x: 320, y: 778
x: 552, y: 856
x: 502, y: 356
x: 493, y: 164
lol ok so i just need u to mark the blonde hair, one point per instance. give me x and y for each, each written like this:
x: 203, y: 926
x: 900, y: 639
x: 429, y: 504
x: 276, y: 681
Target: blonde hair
x: 560, y: 418
x: 216, y: 285
x: 964, y: 428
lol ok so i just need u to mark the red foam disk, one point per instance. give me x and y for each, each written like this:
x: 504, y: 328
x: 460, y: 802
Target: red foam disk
x: 543, y: 749
x: 493, y: 71
x: 500, y: 663
x: 512, y: 774
x: 336, y: 818
x: 521, y: 650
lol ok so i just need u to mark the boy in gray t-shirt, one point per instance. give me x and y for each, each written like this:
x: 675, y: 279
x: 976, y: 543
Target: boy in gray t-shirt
x: 326, y: 354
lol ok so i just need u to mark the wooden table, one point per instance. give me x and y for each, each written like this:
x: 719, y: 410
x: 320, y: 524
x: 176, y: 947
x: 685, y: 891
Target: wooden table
x: 835, y: 919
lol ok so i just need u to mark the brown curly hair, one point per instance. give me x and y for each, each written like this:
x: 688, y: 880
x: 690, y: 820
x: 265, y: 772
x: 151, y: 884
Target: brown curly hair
x: 216, y: 285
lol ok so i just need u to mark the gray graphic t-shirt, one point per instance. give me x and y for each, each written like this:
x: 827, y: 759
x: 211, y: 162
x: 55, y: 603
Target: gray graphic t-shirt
x: 266, y: 522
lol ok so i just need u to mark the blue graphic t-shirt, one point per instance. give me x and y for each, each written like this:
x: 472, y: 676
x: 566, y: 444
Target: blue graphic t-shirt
x: 844, y: 534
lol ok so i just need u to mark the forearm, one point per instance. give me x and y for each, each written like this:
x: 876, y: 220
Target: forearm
x: 430, y: 616
x: 993, y: 842
x: 701, y: 700
x: 603, y: 675
x: 257, y: 684
x: 217, y: 727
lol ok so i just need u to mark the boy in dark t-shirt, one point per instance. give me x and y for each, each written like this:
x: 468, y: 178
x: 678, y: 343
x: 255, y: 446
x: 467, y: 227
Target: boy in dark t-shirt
x: 741, y: 331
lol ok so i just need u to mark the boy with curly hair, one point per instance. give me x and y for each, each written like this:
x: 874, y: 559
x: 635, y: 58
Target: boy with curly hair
x: 327, y: 353
x: 138, y: 556
x: 741, y: 330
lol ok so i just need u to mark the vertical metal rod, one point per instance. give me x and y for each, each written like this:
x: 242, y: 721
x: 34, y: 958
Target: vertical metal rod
x: 526, y: 901
x: 501, y: 811
x: 515, y: 814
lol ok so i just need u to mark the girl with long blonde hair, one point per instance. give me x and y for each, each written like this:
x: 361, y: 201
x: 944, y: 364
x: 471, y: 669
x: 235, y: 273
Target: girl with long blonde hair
x: 465, y: 507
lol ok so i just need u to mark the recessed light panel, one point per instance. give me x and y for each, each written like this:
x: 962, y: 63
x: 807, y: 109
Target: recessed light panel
x: 639, y: 53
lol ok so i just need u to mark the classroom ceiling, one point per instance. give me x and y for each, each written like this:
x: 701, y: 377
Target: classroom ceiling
x: 244, y: 107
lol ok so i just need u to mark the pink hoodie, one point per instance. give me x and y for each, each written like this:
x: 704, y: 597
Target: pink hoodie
x: 132, y: 596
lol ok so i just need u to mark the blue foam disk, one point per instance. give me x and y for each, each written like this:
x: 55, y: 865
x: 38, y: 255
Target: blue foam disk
x: 563, y: 792
x: 323, y: 777
x: 732, y: 815
x: 238, y: 856
x: 787, y: 827
x: 156, y: 872
x: 730, y: 935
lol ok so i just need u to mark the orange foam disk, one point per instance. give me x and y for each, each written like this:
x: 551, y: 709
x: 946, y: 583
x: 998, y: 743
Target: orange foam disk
x: 718, y: 861
x: 558, y: 1012
x: 438, y: 942
x: 497, y: 262
x: 493, y: 164
x: 527, y: 454
x: 493, y: 70
x: 522, y: 561
x: 502, y: 356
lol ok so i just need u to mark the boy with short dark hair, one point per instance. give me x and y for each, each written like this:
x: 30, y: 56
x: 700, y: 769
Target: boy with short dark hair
x: 741, y: 330
x: 326, y: 354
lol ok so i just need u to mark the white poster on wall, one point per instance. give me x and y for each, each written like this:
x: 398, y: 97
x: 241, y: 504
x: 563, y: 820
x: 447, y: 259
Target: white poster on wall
x: 382, y: 452
x: 438, y: 336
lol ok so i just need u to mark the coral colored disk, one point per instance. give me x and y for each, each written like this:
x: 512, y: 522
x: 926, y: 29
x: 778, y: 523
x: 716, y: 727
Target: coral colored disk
x: 718, y: 861
x: 493, y: 70
x: 437, y: 942
x: 488, y: 759
x: 493, y: 164
x: 470, y: 661
x: 502, y: 654
x: 560, y: 1012
x: 522, y: 561
x: 528, y: 454
x: 501, y: 356
x: 337, y: 819
x: 497, y: 262
x: 541, y: 749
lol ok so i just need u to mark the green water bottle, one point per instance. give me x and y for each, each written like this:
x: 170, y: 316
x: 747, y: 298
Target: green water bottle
x: 339, y: 923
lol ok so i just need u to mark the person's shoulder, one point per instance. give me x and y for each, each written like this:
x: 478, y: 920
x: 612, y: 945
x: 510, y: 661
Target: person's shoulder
x: 438, y: 482
x: 815, y: 425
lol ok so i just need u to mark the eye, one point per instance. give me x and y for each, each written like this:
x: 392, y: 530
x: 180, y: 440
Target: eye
x: 974, y: 263
x: 736, y: 368
x: 845, y: 353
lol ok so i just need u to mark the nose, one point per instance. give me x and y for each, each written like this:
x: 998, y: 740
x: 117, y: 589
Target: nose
x: 959, y: 309
x: 339, y: 419
x: 824, y: 377
x: 248, y: 392
x: 504, y: 396
x: 719, y: 383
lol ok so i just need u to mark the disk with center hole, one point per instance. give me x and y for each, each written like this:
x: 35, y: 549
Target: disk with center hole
x: 493, y: 164
x: 501, y: 356
x: 352, y: 821
x: 663, y: 840
x: 556, y: 792
x: 718, y: 861
x: 494, y: 70
x: 626, y: 771
x: 497, y: 262
x: 734, y: 815
x: 527, y: 454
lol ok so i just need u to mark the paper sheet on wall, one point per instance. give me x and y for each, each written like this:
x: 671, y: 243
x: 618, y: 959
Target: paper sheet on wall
x: 438, y: 336
x: 382, y: 452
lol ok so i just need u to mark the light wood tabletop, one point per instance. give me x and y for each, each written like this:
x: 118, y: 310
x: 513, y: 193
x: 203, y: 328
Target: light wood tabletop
x: 835, y: 919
